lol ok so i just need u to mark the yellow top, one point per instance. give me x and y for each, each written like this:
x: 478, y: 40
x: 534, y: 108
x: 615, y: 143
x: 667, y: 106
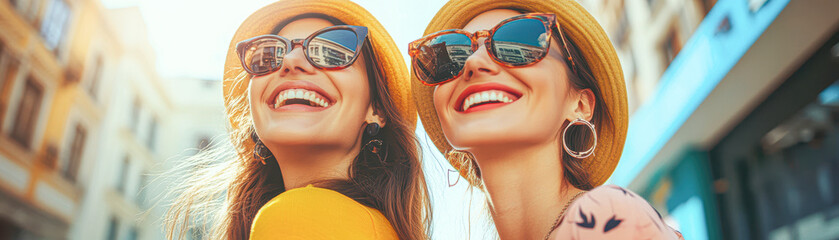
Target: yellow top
x: 317, y: 213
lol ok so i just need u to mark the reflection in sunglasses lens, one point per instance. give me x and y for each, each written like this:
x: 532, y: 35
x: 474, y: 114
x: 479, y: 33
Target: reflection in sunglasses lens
x: 264, y: 55
x: 520, y: 42
x: 333, y: 48
x: 443, y: 57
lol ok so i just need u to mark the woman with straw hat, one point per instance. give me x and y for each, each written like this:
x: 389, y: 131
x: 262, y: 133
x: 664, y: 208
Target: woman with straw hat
x: 322, y: 123
x: 527, y: 100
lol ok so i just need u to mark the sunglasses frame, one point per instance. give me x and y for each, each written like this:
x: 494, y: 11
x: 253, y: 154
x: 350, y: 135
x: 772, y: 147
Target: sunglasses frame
x: 547, y: 19
x: 360, y: 33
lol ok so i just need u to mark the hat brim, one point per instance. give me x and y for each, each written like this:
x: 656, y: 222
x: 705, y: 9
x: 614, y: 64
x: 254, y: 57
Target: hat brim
x: 264, y: 20
x: 595, y: 47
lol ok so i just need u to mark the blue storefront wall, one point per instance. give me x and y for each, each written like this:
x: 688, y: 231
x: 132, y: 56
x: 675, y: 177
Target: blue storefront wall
x: 710, y: 53
x: 719, y: 42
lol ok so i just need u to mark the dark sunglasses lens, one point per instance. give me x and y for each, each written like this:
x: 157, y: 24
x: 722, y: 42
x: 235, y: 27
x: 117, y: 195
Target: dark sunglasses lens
x: 335, y: 48
x: 442, y: 58
x: 520, y: 42
x: 264, y: 55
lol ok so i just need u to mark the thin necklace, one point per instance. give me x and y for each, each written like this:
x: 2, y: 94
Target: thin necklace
x: 562, y: 214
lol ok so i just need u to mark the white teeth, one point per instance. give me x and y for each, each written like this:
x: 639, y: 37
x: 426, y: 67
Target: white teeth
x: 485, y: 96
x: 302, y: 94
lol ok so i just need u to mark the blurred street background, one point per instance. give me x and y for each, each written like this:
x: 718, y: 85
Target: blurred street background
x: 734, y: 105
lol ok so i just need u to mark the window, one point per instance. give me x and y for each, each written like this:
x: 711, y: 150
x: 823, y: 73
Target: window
x: 74, y: 159
x: 3, y: 69
x: 55, y: 24
x: 152, y: 134
x: 655, y: 6
x: 707, y: 5
x: 27, y: 113
x: 203, y: 143
x: 133, y: 234
x: 135, y: 116
x: 670, y: 47
x: 113, y: 228
x: 756, y: 5
x: 195, y: 233
x: 94, y: 77
x: 141, y: 189
x: 622, y: 33
x: 29, y: 9
x: 123, y: 175
x: 8, y: 71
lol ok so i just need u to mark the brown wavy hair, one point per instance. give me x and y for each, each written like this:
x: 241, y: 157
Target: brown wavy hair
x: 225, y: 196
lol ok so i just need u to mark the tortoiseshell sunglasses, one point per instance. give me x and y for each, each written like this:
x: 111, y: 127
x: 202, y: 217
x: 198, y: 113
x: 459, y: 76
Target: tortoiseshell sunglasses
x: 518, y: 41
x: 331, y: 48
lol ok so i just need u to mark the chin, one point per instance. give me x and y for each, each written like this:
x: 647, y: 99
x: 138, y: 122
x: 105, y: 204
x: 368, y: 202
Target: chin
x: 307, y: 133
x: 498, y: 134
x: 290, y: 131
x: 302, y: 138
x: 468, y: 139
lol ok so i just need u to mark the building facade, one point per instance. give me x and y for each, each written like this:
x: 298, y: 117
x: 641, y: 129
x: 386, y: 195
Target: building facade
x: 87, y: 125
x: 732, y: 131
x: 46, y: 117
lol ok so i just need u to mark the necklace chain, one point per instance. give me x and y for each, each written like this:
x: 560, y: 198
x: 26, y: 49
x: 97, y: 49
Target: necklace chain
x: 562, y: 214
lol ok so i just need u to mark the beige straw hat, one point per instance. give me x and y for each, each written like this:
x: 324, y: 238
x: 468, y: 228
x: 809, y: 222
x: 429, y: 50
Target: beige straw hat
x: 595, y: 47
x: 264, y: 20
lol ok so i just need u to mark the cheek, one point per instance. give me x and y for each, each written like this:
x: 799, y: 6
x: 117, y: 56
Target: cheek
x: 255, y: 89
x: 548, y: 83
x: 353, y: 86
x: 442, y: 96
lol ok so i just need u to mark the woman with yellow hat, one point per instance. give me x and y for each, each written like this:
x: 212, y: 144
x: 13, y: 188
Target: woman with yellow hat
x: 527, y: 100
x: 322, y: 124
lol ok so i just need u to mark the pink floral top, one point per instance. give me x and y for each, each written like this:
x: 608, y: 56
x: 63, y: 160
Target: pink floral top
x: 612, y: 212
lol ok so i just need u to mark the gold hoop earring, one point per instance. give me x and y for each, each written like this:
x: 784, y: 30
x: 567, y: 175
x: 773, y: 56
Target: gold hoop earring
x: 583, y: 154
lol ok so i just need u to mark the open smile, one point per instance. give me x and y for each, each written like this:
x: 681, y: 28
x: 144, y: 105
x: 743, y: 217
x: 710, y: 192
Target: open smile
x: 484, y: 97
x: 299, y: 95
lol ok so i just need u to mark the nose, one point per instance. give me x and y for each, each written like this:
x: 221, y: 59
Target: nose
x: 295, y: 62
x: 479, y: 63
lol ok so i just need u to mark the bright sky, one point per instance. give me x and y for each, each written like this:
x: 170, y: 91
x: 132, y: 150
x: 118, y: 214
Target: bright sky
x: 198, y: 32
x: 190, y: 39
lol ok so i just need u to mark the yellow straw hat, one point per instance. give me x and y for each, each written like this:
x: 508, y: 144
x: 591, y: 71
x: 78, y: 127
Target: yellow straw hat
x: 595, y: 47
x: 264, y: 20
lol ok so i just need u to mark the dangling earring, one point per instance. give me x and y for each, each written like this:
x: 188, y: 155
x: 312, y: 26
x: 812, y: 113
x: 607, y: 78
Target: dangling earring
x: 260, y: 151
x: 575, y: 154
x: 372, y: 129
x: 374, y: 145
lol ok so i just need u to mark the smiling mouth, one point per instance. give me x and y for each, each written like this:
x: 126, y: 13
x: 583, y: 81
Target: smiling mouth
x: 486, y: 98
x: 298, y: 97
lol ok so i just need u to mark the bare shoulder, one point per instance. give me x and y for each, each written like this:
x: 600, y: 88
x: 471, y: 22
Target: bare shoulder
x: 613, y: 212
